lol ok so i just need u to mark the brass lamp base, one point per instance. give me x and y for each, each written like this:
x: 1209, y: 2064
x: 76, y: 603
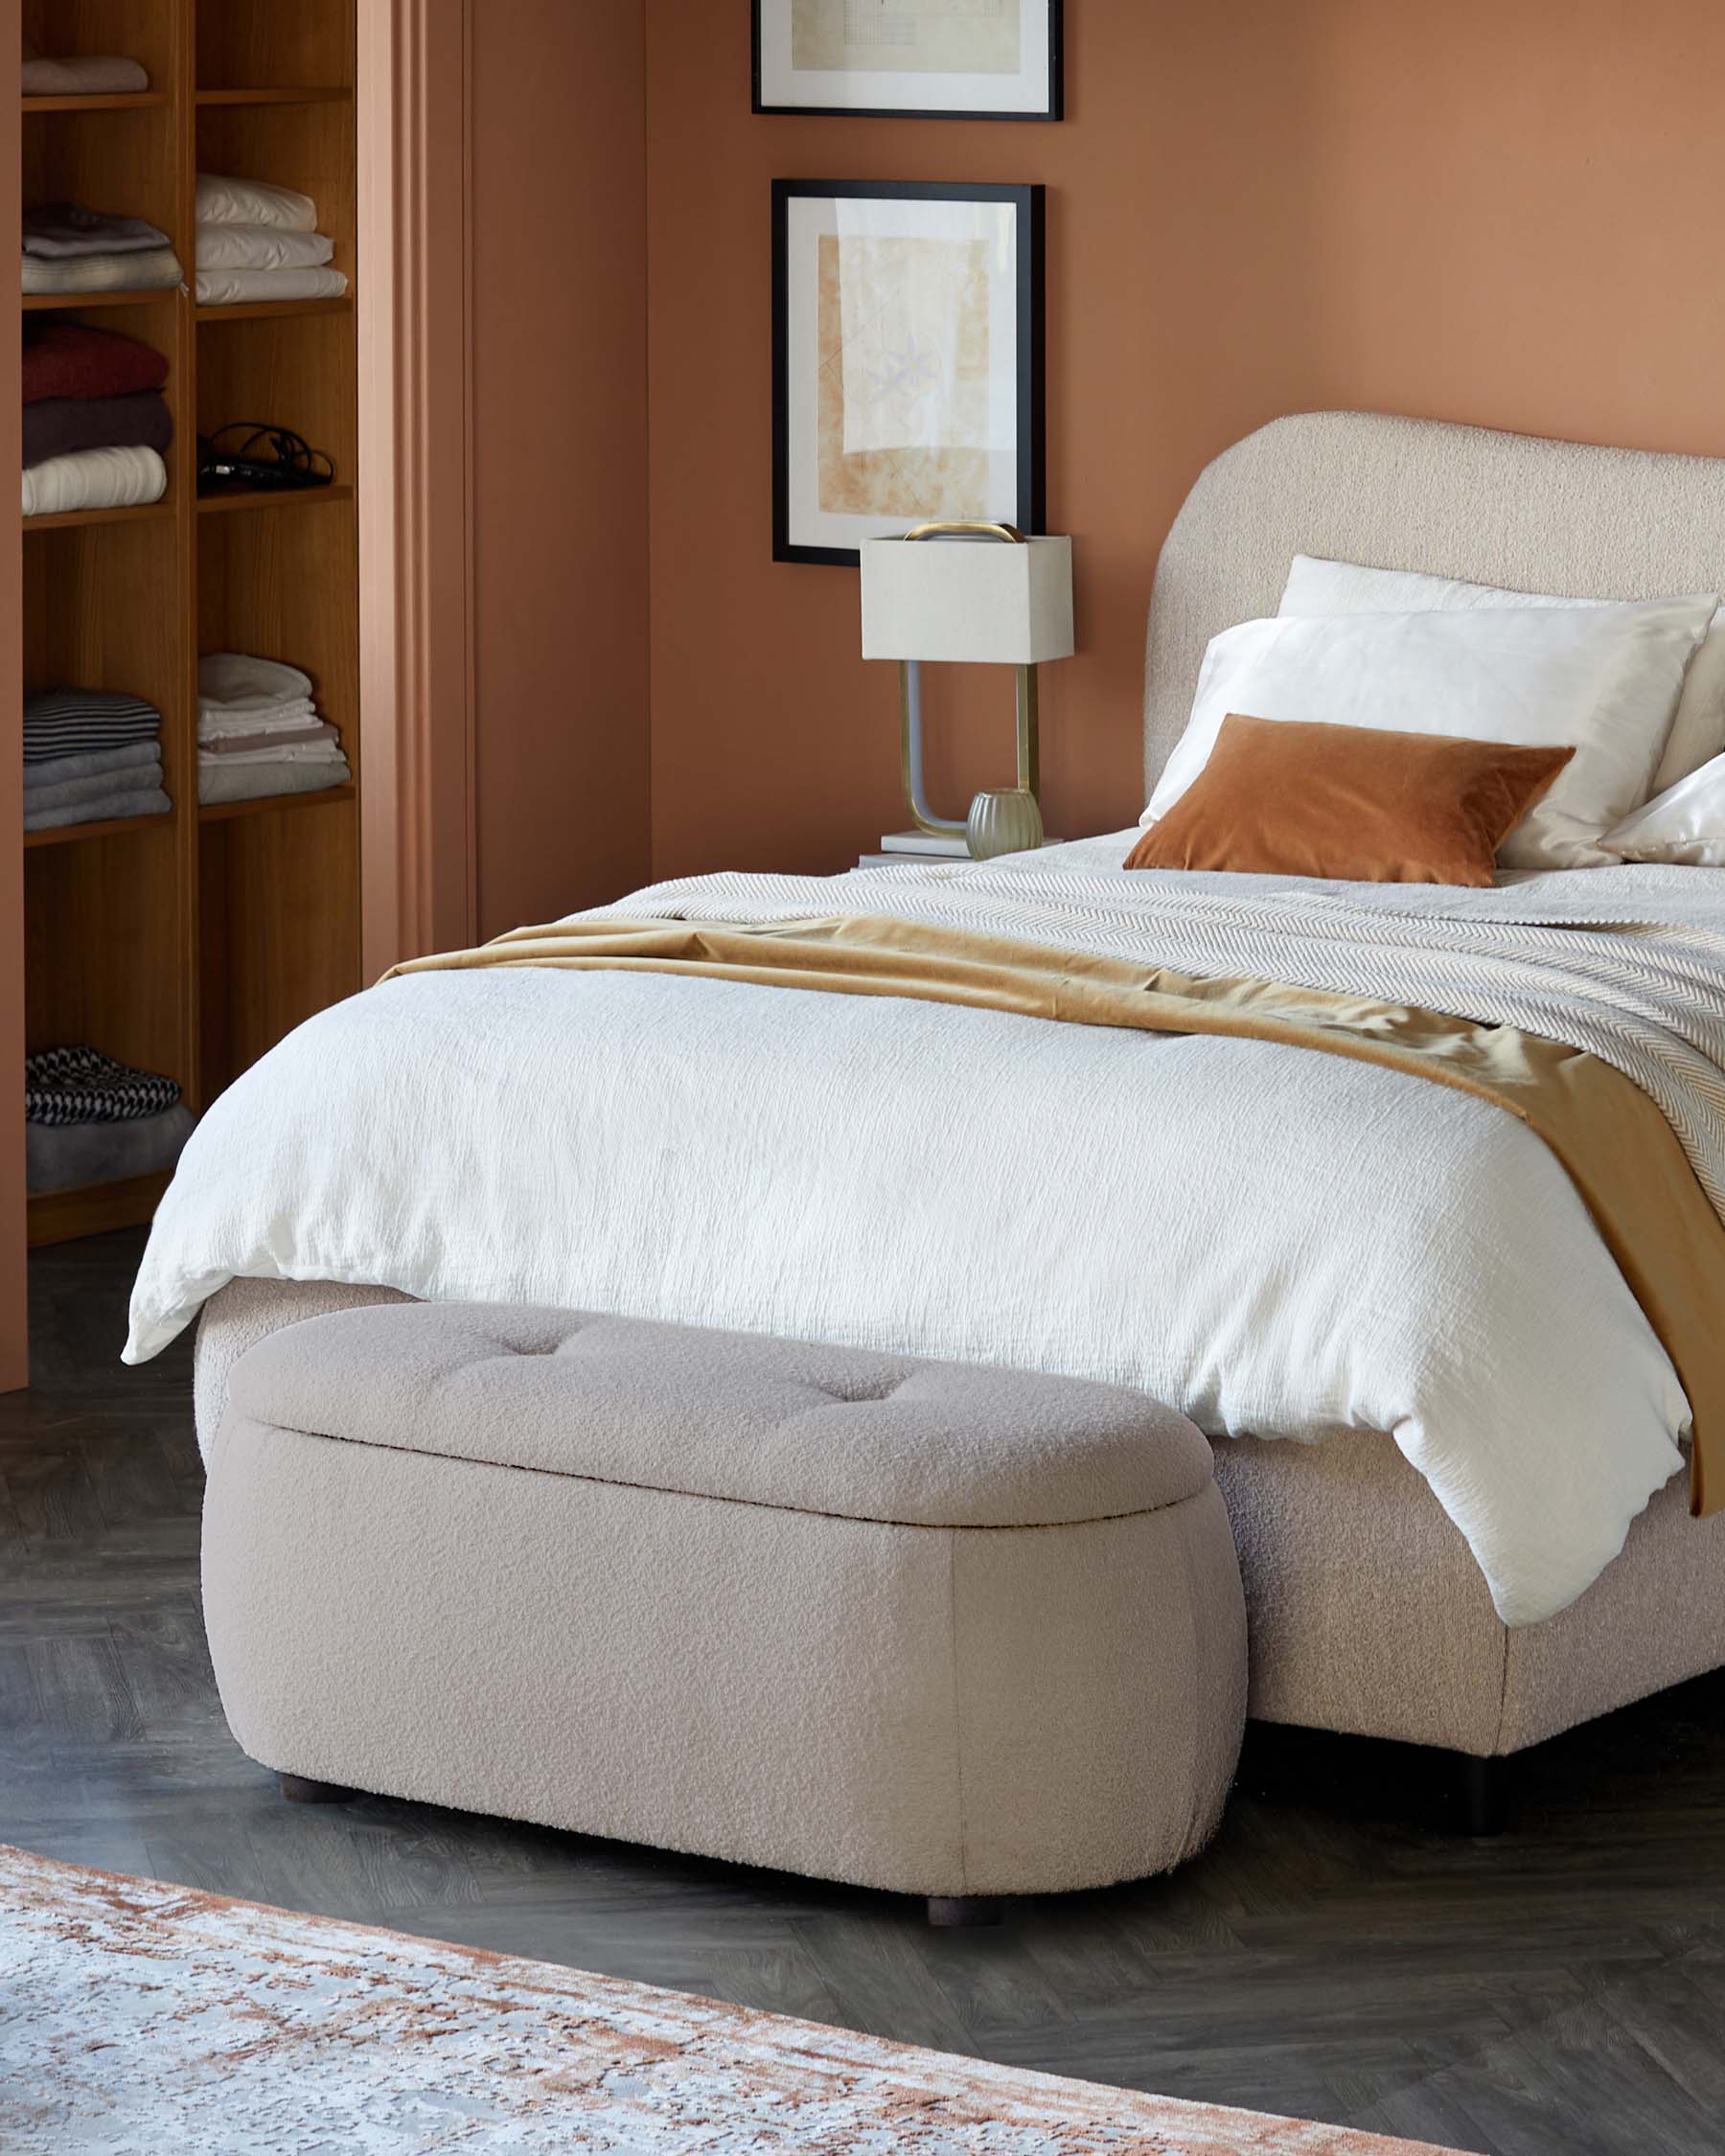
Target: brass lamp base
x: 910, y: 715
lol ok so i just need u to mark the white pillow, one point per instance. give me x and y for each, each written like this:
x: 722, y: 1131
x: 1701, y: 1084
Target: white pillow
x: 1603, y: 678
x: 247, y: 201
x: 1685, y: 824
x: 1316, y: 587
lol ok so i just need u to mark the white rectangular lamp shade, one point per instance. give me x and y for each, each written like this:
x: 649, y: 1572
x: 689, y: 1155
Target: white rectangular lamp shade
x: 978, y: 601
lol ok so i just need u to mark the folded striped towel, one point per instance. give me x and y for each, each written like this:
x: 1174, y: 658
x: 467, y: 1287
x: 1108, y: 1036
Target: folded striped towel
x: 79, y: 723
x: 80, y: 1085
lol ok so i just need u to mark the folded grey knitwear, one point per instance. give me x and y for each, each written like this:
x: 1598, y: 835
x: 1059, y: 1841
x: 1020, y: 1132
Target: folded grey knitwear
x: 64, y: 230
x: 97, y: 786
x: 154, y: 803
x: 153, y: 269
x: 55, y: 771
x: 92, y: 75
x: 59, y: 426
x: 61, y: 1156
x: 252, y: 782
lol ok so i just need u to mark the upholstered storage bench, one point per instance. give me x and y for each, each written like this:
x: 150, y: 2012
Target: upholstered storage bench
x: 956, y: 1632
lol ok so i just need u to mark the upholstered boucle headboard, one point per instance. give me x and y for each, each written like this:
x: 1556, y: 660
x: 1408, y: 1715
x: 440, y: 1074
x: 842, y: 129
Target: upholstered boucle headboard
x: 1458, y: 501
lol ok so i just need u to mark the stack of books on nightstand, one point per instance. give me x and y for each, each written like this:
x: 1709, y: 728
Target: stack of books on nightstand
x: 901, y: 849
x: 922, y: 849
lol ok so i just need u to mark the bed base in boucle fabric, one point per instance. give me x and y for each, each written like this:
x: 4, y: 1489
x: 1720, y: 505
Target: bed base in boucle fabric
x: 942, y: 1630
x: 1368, y: 1613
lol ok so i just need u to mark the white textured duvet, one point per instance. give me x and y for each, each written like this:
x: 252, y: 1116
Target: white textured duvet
x: 1282, y: 1243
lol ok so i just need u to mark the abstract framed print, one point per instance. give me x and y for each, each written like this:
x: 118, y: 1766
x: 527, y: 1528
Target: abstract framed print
x: 906, y: 360
x: 879, y: 60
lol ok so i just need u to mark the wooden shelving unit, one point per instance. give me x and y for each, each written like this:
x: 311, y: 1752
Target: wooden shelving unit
x: 191, y: 943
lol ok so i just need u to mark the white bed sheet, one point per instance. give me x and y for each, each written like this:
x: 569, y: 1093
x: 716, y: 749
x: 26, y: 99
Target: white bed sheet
x: 1282, y: 1243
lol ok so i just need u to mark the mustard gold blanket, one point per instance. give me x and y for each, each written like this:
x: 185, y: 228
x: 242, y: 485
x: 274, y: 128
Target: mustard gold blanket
x: 1611, y: 1139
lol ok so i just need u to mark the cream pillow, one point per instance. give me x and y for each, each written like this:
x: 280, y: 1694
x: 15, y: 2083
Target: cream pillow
x: 1317, y: 586
x: 1683, y: 825
x: 1602, y: 679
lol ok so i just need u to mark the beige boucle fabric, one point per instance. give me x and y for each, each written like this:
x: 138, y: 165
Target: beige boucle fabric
x: 921, y: 1627
x: 812, y: 1429
x: 1368, y: 1613
x: 1455, y: 501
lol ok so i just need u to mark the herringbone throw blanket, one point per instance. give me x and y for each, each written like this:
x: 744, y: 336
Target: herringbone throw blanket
x: 1629, y: 968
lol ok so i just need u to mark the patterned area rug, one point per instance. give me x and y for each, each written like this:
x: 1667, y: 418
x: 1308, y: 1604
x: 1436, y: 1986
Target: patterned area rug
x: 138, y: 2017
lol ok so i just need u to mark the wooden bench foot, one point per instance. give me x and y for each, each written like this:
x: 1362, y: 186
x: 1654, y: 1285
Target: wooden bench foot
x: 302, y: 1789
x: 963, y: 1912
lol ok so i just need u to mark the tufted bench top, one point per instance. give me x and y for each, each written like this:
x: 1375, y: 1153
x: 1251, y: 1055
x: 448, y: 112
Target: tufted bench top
x: 839, y: 1431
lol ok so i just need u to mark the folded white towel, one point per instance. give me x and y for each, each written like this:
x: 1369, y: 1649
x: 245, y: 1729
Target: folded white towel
x: 223, y: 745
x: 242, y: 681
x: 216, y: 722
x: 281, y: 753
x: 250, y: 201
x: 254, y: 287
x: 94, y: 479
x: 259, y: 246
x: 221, y: 781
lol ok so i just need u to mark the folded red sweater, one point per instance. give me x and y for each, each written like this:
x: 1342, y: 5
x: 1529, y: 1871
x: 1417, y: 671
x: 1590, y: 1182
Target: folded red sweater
x: 67, y: 359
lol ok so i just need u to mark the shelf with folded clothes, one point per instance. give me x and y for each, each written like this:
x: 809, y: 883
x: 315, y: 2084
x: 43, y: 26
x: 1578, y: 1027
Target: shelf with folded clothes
x: 263, y: 732
x: 75, y: 275
x: 256, y: 243
x: 90, y: 1119
x: 92, y: 756
x: 123, y: 991
x: 144, y: 63
x: 98, y: 425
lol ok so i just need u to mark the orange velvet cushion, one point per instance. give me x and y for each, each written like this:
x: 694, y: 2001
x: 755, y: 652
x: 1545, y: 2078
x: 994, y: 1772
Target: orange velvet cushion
x: 1281, y: 797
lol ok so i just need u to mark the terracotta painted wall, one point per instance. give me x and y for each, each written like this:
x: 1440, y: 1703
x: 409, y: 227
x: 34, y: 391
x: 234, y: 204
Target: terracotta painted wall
x: 558, y: 436
x: 1503, y: 213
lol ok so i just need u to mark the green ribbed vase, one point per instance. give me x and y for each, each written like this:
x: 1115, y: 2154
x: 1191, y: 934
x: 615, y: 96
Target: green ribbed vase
x: 1004, y: 820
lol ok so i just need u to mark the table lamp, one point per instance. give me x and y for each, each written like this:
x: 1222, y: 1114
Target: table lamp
x: 990, y: 598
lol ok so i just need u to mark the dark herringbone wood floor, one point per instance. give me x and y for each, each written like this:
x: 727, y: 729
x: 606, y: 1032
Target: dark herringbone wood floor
x: 1557, y: 1993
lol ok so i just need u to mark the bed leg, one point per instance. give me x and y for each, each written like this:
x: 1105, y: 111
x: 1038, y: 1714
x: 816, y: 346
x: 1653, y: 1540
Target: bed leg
x: 954, y: 1912
x: 302, y: 1789
x: 1483, y: 1793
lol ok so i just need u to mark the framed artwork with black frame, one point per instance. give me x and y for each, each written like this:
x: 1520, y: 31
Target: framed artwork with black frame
x: 881, y: 60
x: 908, y: 333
